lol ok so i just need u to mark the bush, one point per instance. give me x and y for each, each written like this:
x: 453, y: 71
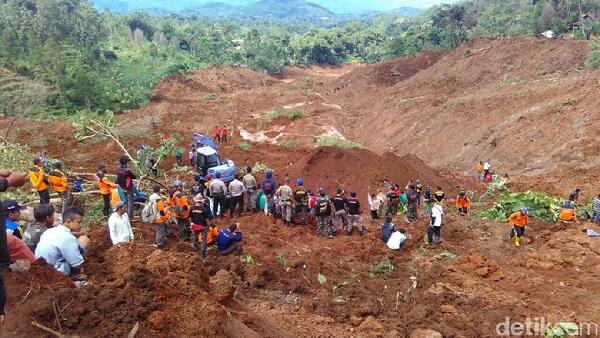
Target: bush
x: 244, y: 147
x: 593, y: 57
x: 15, y: 156
x: 335, y: 141
x: 289, y: 144
x: 291, y: 114
x: 540, y: 206
x: 381, y: 269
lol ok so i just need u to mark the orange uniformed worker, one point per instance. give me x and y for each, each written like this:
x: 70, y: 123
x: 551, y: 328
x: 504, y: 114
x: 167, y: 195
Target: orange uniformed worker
x: 567, y: 212
x: 463, y: 204
x: 59, y: 183
x: 479, y: 169
x: 518, y: 220
x: 106, y: 187
x: 38, y: 180
x: 180, y: 207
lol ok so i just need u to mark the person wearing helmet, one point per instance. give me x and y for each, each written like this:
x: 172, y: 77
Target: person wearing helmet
x: 519, y: 220
x: 181, y: 210
x: 285, y: 195
x: 251, y: 190
x: 300, y: 198
x: 463, y: 204
x: 323, y: 211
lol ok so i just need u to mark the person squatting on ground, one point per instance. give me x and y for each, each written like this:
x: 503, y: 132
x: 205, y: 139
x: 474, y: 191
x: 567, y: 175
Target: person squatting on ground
x: 434, y: 231
x: 394, y: 239
x: 463, y: 203
x: 180, y: 205
x: 218, y: 191
x: 323, y: 213
x: 38, y: 180
x: 251, y: 190
x: 519, y: 220
x: 60, y: 247
x: 229, y: 241
x: 200, y: 215
x: 237, y: 191
x: 58, y: 182
x: 119, y: 227
x: 105, y: 186
x: 354, y: 217
x: 340, y: 205
x: 161, y: 210
x: 125, y: 179
x: 284, y: 195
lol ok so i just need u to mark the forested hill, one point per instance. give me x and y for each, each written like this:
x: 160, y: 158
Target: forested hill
x: 65, y: 57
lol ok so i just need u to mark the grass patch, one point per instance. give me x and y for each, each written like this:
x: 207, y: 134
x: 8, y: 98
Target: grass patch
x: 15, y: 156
x: 247, y: 259
x: 210, y: 97
x: 289, y: 144
x: 93, y: 213
x: 335, y: 141
x: 245, y: 147
x: 280, y: 259
x: 291, y: 114
x: 381, y: 269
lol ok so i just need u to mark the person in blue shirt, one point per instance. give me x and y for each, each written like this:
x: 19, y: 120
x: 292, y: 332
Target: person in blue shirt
x: 229, y: 241
x: 13, y: 215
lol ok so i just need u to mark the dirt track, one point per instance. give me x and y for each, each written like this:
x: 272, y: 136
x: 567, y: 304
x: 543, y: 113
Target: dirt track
x: 531, y: 96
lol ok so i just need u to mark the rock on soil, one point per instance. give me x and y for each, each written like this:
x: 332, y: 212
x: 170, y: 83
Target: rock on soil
x: 425, y: 333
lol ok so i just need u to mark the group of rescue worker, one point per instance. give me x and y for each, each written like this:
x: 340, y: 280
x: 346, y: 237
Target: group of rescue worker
x: 45, y: 179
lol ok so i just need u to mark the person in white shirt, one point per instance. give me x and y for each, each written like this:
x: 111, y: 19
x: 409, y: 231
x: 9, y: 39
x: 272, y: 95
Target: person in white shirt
x: 59, y: 246
x: 435, y: 226
x: 237, y: 190
x: 374, y: 203
x: 218, y: 191
x: 119, y: 226
x: 486, y: 167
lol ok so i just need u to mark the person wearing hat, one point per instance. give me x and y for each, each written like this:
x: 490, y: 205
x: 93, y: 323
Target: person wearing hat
x: 463, y: 204
x: 37, y: 177
x: 519, y: 220
x: 323, y: 211
x: 13, y: 215
x: 200, y: 214
x: 125, y: 179
x: 59, y: 183
x: 119, y: 226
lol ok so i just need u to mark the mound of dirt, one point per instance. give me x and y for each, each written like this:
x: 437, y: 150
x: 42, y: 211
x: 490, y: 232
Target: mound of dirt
x: 357, y: 169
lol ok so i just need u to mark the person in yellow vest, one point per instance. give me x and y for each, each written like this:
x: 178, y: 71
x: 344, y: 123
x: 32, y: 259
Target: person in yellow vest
x: 519, y: 220
x: 38, y: 180
x: 105, y: 186
x: 180, y: 206
x: 59, y: 183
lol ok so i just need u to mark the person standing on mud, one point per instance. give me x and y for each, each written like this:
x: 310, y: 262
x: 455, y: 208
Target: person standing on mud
x: 413, y: 199
x: 300, y: 198
x: 323, y: 210
x: 435, y: 225
x: 223, y: 133
x: 161, y: 210
x: 419, y: 190
x: 428, y: 199
x: 340, y: 204
x: 519, y: 220
x: 38, y: 180
x: 354, y: 218
x: 105, y: 186
x: 237, y: 190
x: 284, y: 195
x: 125, y: 179
x: 59, y: 183
x: 439, y: 195
x: 463, y: 204
x: 200, y: 215
x: 251, y: 190
x: 218, y: 191
x: 392, y: 204
x: 181, y: 207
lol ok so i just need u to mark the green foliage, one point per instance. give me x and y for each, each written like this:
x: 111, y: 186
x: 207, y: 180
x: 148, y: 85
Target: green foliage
x: 498, y: 185
x: 15, y: 156
x: 247, y: 259
x: 381, y: 269
x: 259, y: 167
x: 210, y: 97
x: 335, y: 141
x: 93, y: 213
x: 291, y: 114
x: 593, y: 57
x: 245, y: 147
x: 280, y: 259
x: 562, y: 330
x: 540, y: 206
x: 288, y: 144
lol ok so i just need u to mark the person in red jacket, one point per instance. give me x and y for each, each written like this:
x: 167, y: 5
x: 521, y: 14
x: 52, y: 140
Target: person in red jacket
x: 217, y: 134
x: 224, y: 133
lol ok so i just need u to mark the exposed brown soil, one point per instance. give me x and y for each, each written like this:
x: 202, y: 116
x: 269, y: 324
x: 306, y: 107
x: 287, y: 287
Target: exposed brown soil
x: 526, y: 104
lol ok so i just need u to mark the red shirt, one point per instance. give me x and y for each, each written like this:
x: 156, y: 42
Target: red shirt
x: 217, y: 131
x: 18, y: 250
x: 224, y: 132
